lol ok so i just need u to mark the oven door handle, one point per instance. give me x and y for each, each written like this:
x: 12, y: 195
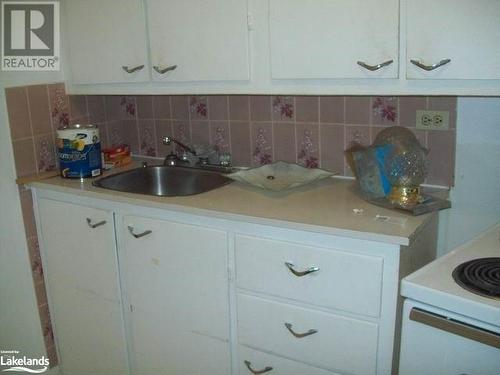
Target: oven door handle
x: 455, y: 327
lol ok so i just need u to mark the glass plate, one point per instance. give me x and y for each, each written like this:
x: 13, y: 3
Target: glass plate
x: 280, y: 176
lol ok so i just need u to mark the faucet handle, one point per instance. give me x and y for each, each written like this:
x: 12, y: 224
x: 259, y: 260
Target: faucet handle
x: 225, y: 159
x: 171, y: 160
x: 203, y: 160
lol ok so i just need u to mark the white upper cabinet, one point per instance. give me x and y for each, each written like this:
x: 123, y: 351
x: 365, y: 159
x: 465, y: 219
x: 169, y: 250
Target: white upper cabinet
x: 105, y: 38
x: 466, y: 32
x: 198, y: 40
x: 327, y: 38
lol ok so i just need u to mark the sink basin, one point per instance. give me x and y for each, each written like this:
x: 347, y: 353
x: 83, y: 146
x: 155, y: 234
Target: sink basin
x: 164, y: 181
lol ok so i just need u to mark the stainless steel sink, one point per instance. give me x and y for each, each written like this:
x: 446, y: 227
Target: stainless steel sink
x: 164, y: 181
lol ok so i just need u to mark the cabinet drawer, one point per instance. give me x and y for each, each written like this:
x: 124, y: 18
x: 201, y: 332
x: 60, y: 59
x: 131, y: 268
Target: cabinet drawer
x: 340, y: 344
x: 258, y: 361
x: 345, y: 281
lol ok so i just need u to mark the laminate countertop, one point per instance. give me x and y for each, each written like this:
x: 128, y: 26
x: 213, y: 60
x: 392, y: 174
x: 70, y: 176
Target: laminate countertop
x: 326, y: 206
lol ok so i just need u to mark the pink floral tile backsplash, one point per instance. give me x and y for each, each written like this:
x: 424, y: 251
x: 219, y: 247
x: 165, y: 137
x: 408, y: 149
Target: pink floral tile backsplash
x: 259, y: 129
x: 312, y: 131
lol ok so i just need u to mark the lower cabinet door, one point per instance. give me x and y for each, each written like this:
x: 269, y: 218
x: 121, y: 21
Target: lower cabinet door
x: 81, y: 272
x: 256, y: 362
x: 176, y: 281
x: 334, y: 342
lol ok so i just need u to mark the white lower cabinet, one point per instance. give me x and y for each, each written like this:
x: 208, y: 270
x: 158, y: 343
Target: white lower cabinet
x: 176, y: 283
x: 81, y: 274
x: 142, y: 291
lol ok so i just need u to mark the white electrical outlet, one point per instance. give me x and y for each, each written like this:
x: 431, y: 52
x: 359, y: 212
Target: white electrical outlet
x: 433, y: 120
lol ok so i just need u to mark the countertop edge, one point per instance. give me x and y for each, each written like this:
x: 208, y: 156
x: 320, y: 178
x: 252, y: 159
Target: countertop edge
x: 357, y: 235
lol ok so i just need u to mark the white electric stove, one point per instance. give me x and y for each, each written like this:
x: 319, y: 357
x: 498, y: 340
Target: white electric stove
x: 451, y: 315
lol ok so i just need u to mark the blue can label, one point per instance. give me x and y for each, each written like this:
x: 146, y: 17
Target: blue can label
x: 79, y: 152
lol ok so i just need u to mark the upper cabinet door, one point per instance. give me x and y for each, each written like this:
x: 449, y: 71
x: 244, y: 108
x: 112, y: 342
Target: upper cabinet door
x: 326, y: 38
x: 198, y: 40
x: 105, y: 38
x: 466, y: 32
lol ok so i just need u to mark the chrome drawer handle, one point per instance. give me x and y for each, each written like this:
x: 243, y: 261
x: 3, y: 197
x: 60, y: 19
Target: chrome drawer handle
x: 300, y: 273
x: 256, y: 372
x: 95, y: 225
x: 375, y: 67
x: 430, y: 67
x: 132, y: 70
x: 300, y: 335
x: 145, y: 233
x: 164, y: 70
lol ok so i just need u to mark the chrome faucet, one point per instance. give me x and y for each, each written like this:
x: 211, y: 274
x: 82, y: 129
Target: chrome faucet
x: 203, y: 162
x: 172, y: 159
x: 168, y: 140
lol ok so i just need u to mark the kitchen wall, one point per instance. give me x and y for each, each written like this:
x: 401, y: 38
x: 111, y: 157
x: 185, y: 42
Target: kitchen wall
x: 476, y: 205
x: 32, y: 124
x: 312, y: 131
x: 19, y: 314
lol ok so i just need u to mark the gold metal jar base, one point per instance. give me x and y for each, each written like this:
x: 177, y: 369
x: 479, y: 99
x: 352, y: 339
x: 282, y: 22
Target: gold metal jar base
x: 405, y: 196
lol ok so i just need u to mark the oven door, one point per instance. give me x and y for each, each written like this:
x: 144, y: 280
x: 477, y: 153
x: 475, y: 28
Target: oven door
x: 435, y: 341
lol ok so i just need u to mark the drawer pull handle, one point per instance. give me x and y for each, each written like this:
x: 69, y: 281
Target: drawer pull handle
x: 95, y: 225
x: 375, y: 67
x: 300, y: 335
x: 145, y: 233
x: 256, y: 372
x: 430, y: 67
x: 164, y: 70
x: 132, y: 70
x: 300, y: 273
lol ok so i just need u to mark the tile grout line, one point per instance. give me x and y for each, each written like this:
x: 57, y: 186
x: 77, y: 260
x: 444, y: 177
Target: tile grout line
x: 170, y: 121
x: 295, y: 131
x: 272, y: 131
x: 155, y: 135
x: 319, y: 134
x: 229, y: 128
x: 136, y: 117
x: 209, y: 121
x: 250, y: 128
x: 344, y: 164
x: 190, y: 130
x: 31, y: 127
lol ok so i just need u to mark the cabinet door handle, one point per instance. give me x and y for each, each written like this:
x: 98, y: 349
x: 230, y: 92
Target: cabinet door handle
x: 430, y: 67
x: 256, y: 372
x: 291, y: 266
x: 164, y: 70
x: 139, y: 235
x: 375, y: 67
x: 95, y: 225
x: 300, y: 335
x: 132, y: 70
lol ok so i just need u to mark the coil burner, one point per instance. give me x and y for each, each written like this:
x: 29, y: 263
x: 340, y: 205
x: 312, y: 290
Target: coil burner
x: 480, y: 276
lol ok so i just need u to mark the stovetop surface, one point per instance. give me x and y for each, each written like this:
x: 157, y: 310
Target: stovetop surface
x: 434, y: 284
